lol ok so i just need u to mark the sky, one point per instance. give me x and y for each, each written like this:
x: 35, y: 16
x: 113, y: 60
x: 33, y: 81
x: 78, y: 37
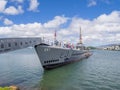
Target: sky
x: 99, y: 20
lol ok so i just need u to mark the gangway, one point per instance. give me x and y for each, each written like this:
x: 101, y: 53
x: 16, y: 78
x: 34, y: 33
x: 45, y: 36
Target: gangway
x: 11, y: 44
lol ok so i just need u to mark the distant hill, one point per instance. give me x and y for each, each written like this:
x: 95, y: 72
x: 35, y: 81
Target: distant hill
x: 109, y: 45
x: 91, y: 47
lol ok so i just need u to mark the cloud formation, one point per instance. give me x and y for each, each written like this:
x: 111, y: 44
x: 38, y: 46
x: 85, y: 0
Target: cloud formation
x: 33, y: 5
x: 56, y: 22
x: 2, y: 5
x: 92, y: 3
x: 19, y: 1
x: 5, y: 8
x: 13, y: 11
x: 104, y: 29
x: 7, y: 22
x: 101, y: 30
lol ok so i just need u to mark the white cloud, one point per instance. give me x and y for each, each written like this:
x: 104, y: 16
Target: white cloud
x: 13, y: 11
x: 92, y: 3
x: 7, y: 22
x: 2, y: 5
x: 114, y: 17
x: 56, y: 22
x: 104, y: 29
x: 32, y: 29
x: 100, y: 30
x: 33, y: 5
x: 19, y: 1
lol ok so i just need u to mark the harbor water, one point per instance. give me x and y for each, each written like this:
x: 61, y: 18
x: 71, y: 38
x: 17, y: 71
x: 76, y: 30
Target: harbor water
x: 22, y: 68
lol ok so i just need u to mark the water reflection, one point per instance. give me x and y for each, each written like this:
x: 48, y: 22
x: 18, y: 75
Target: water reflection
x: 21, y: 68
x: 59, y: 78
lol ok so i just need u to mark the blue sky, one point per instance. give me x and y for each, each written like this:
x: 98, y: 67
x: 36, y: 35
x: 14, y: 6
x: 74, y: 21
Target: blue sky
x: 44, y: 16
x: 47, y: 10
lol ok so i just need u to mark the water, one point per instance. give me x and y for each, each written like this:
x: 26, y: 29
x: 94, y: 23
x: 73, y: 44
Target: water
x: 99, y: 72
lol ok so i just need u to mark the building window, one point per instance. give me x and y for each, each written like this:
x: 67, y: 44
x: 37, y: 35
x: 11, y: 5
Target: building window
x: 9, y: 44
x: 15, y: 44
x: 21, y: 43
x: 26, y: 42
x: 2, y: 45
x: 30, y: 42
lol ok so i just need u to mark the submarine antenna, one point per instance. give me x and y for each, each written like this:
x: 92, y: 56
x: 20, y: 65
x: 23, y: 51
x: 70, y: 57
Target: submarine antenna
x: 55, y: 35
x: 80, y: 36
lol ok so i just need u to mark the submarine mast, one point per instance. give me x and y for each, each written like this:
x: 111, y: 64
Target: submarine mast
x: 80, y: 37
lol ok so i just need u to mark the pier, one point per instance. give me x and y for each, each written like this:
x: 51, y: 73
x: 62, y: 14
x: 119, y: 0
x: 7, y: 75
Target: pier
x: 11, y: 44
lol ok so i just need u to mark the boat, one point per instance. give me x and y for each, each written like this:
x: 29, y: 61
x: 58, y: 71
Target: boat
x: 52, y: 56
